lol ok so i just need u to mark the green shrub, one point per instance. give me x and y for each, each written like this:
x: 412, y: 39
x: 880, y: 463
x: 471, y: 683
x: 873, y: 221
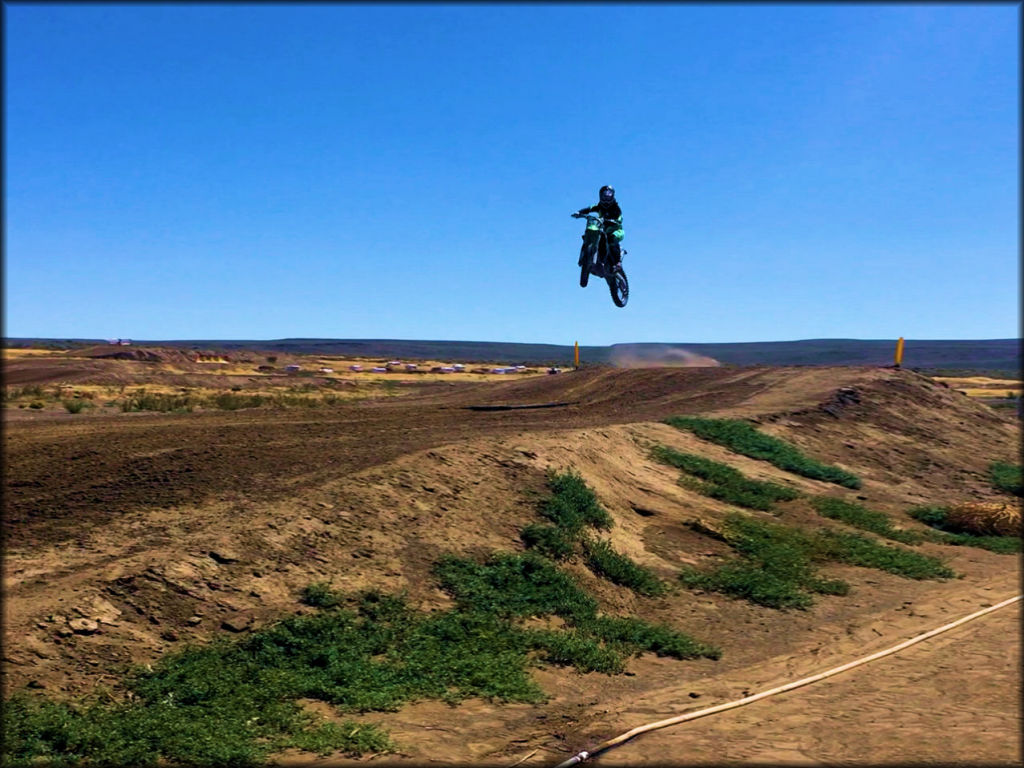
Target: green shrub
x: 619, y: 569
x: 777, y: 565
x: 573, y: 505
x: 75, y: 406
x: 1006, y: 477
x: 861, y: 517
x: 723, y: 482
x: 232, y: 401
x: 157, y: 401
x: 855, y: 549
x: 514, y: 585
x: 741, y: 437
x: 37, y: 405
x: 549, y: 540
x: 632, y: 633
x: 320, y: 595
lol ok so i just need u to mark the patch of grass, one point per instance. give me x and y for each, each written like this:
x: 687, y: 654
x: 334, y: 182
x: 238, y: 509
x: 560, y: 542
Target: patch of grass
x: 548, y: 540
x: 572, y: 505
x: 514, y: 585
x: 723, y: 482
x: 632, y: 633
x: 320, y: 595
x: 235, y: 701
x: 775, y: 567
x: 935, y: 517
x: 76, y: 406
x: 741, y: 437
x: 1006, y: 477
x: 142, y: 400
x: 855, y: 549
x: 619, y: 569
x: 861, y: 517
x: 777, y: 564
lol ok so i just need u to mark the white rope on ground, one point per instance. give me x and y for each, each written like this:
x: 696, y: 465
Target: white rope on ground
x: 610, y: 743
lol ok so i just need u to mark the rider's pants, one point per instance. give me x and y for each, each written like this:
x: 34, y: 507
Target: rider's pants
x: 614, y: 238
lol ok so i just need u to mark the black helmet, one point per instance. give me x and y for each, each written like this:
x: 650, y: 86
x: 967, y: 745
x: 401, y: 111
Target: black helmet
x: 607, y: 194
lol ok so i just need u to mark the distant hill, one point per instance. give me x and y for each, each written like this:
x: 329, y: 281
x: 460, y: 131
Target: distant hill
x: 985, y: 355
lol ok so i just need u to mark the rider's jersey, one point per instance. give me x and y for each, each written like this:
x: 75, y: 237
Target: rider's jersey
x: 608, y: 211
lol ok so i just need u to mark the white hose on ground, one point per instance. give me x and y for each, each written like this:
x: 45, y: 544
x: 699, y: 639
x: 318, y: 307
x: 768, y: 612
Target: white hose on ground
x: 610, y: 743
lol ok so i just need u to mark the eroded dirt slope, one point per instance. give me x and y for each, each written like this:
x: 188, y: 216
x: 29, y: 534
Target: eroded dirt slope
x: 175, y: 529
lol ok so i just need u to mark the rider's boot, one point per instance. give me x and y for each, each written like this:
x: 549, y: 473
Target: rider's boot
x: 614, y: 256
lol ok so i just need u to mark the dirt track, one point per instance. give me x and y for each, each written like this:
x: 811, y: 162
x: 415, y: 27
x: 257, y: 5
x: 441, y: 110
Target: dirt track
x: 65, y: 474
x: 153, y: 519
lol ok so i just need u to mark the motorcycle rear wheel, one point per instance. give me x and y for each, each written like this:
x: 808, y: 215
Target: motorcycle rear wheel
x: 618, y: 285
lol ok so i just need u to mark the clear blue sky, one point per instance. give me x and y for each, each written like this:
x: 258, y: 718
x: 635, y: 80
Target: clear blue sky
x: 407, y: 171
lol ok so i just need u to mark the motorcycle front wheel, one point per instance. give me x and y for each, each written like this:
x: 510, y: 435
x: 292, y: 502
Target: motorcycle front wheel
x: 586, y: 259
x: 618, y: 285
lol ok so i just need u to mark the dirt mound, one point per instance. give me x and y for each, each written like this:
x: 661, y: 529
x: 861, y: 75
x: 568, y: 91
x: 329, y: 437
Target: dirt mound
x: 173, y: 529
x: 155, y: 354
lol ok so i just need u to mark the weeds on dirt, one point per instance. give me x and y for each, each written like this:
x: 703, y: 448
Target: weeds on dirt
x: 861, y: 517
x: 18, y: 393
x: 1006, y: 477
x: 777, y: 564
x: 75, y: 406
x: 945, y: 532
x: 235, y: 702
x: 320, y: 595
x: 572, y: 507
x: 619, y: 569
x: 741, y: 437
x: 859, y: 550
x: 549, y: 540
x: 775, y: 568
x: 722, y: 482
x: 524, y: 585
x: 157, y: 401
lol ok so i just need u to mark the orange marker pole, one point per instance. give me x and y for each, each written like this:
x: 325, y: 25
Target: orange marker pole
x: 899, y: 352
x: 577, y: 355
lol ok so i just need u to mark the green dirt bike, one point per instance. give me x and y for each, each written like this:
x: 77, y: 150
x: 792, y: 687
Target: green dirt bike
x: 594, y: 260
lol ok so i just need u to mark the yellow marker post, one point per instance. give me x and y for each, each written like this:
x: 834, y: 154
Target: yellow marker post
x: 576, y: 358
x: 899, y: 352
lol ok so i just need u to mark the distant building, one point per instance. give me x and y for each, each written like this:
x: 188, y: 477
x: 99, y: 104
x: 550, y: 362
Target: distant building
x: 292, y: 368
x: 379, y: 369
x: 326, y: 370
x: 410, y: 366
x: 355, y: 368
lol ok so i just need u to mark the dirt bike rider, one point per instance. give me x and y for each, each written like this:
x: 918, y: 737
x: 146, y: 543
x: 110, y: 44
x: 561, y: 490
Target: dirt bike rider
x: 608, y: 209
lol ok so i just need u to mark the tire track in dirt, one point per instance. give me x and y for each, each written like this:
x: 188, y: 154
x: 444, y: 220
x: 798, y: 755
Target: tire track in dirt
x: 951, y: 699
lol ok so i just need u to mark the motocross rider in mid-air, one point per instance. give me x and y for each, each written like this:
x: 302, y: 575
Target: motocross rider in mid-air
x: 608, y: 209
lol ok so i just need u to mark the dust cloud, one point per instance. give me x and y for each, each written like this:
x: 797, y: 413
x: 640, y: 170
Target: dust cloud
x: 658, y: 356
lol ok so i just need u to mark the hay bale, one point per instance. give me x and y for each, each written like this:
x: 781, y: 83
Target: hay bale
x: 985, y: 518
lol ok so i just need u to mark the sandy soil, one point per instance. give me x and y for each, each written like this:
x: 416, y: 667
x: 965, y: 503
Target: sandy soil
x: 148, y: 522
